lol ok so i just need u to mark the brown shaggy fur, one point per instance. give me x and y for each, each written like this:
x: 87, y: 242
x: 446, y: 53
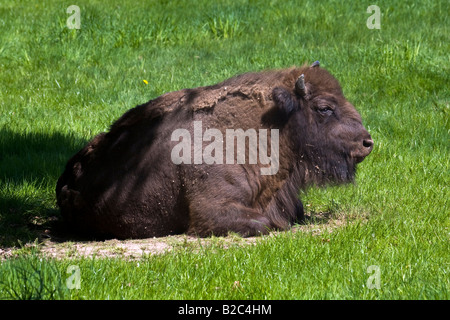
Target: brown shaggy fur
x: 124, y: 184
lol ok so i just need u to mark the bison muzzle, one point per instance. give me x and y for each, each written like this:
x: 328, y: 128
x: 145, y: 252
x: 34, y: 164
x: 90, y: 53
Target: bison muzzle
x: 126, y: 183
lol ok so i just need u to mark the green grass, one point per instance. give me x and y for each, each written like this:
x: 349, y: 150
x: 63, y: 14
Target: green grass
x: 59, y: 87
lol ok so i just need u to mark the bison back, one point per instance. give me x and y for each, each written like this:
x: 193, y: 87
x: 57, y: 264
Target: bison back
x: 122, y: 183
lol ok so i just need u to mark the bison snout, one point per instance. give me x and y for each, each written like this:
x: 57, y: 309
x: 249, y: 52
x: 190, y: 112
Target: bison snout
x: 364, y: 149
x: 368, y: 143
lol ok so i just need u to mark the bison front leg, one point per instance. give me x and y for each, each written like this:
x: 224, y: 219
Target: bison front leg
x: 299, y: 212
x: 220, y: 219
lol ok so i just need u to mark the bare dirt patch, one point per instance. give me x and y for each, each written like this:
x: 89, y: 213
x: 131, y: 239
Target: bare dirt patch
x: 58, y: 248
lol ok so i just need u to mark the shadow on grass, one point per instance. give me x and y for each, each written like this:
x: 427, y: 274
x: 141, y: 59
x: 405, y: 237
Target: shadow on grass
x: 30, y: 164
x: 317, y: 218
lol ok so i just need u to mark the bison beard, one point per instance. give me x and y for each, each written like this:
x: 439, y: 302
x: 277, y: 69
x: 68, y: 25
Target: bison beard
x: 123, y: 183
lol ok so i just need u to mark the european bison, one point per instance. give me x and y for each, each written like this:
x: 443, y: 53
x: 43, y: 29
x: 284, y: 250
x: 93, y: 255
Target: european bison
x: 215, y: 159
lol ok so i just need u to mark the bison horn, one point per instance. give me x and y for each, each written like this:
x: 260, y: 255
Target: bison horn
x: 300, y: 85
x: 315, y: 64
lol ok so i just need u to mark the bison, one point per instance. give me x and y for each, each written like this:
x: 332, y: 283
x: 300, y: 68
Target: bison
x: 162, y: 168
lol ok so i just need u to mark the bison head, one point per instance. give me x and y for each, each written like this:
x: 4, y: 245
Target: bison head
x: 330, y: 138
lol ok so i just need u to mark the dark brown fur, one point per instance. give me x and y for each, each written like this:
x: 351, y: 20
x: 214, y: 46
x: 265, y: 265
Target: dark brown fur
x: 124, y: 184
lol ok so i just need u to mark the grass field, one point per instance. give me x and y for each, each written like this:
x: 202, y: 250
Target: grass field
x: 59, y: 87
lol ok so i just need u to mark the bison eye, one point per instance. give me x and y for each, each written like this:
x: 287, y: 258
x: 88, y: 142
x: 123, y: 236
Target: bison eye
x: 325, y: 110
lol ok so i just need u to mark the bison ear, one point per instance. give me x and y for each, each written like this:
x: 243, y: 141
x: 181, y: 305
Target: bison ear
x: 284, y: 100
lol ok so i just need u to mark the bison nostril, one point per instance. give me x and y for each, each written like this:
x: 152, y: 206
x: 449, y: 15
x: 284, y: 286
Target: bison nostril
x: 368, y: 143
